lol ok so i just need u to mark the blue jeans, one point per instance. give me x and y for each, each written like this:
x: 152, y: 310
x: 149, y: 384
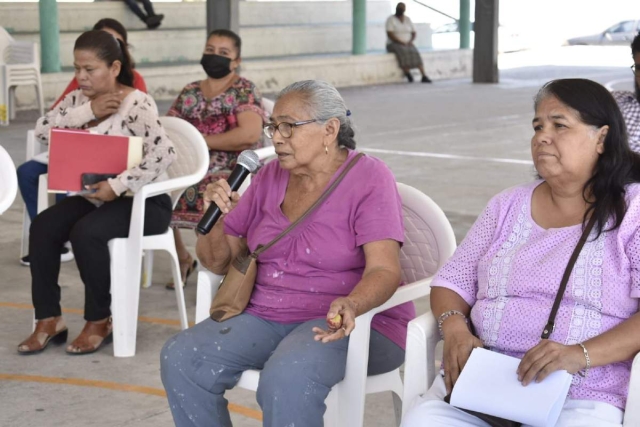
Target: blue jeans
x: 199, y: 364
x: 28, y: 178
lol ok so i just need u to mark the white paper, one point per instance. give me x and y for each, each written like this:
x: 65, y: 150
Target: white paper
x: 489, y: 384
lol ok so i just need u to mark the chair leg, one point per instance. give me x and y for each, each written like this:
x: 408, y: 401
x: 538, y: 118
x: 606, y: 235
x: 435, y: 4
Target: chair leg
x: 147, y: 269
x: 26, y: 224
x: 11, y: 101
x: 125, y: 297
x: 177, y: 280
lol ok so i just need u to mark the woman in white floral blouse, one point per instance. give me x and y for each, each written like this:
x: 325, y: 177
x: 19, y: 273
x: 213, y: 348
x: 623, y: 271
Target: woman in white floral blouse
x: 107, y: 103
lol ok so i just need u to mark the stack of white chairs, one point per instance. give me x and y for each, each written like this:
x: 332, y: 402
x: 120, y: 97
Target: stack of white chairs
x: 21, y: 66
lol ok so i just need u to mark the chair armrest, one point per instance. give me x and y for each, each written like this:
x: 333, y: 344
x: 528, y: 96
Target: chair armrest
x: 420, y: 360
x: 632, y: 410
x: 406, y: 293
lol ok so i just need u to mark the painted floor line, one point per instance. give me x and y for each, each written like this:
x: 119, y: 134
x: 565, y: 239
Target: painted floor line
x: 155, y: 320
x: 108, y: 385
x: 448, y: 156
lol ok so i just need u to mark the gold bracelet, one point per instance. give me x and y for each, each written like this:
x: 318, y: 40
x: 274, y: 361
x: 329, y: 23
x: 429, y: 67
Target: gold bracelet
x: 586, y: 356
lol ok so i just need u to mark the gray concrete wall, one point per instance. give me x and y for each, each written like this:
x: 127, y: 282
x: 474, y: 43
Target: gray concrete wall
x: 23, y: 17
x: 186, y: 45
x: 164, y: 83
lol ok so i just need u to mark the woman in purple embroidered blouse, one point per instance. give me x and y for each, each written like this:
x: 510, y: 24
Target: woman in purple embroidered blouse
x: 342, y: 259
x: 226, y: 109
x: 505, y: 275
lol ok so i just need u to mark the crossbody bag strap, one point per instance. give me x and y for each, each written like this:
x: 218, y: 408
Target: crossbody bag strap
x: 550, y: 326
x: 313, y: 207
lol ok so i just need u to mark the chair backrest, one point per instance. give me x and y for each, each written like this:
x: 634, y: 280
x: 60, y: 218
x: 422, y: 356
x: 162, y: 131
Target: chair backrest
x: 191, y: 150
x: 8, y: 181
x: 5, y: 41
x: 267, y: 106
x: 429, y: 239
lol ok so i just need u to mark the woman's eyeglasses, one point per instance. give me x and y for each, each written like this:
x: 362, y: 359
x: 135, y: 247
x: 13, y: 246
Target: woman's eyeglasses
x: 285, y: 129
x: 635, y: 69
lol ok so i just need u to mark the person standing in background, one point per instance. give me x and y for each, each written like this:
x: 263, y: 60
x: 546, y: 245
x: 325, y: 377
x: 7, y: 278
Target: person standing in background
x: 629, y: 101
x: 400, y: 36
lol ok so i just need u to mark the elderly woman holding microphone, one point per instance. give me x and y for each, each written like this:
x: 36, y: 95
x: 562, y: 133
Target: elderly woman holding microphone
x: 505, y: 276
x: 341, y: 259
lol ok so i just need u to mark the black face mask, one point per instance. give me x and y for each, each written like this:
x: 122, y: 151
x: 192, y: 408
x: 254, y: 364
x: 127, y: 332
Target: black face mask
x: 399, y: 12
x: 216, y: 66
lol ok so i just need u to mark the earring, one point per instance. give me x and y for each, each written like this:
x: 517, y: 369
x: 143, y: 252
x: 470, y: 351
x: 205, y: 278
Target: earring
x: 326, y: 150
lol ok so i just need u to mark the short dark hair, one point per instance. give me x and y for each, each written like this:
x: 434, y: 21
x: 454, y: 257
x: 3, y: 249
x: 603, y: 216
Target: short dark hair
x: 114, y: 25
x: 618, y: 165
x: 635, y: 45
x: 237, y: 42
x: 108, y: 49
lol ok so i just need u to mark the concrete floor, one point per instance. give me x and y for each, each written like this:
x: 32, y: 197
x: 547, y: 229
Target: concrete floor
x: 459, y: 143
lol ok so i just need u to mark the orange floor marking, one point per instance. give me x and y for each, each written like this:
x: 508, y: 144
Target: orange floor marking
x: 238, y: 409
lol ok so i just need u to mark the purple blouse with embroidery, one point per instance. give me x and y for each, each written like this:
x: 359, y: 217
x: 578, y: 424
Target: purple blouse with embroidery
x: 508, y: 269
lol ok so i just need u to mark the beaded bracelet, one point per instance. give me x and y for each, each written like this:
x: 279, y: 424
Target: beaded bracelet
x: 586, y: 356
x: 444, y: 316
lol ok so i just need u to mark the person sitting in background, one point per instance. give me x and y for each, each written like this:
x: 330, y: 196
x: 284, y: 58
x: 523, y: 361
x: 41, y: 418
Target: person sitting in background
x: 342, y: 259
x: 226, y: 109
x: 504, y: 276
x: 400, y: 36
x: 106, y: 103
x: 29, y: 172
x: 152, y: 20
x: 117, y: 30
x: 629, y: 102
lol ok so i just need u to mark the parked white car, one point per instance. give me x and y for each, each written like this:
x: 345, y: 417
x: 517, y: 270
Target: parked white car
x: 621, y: 33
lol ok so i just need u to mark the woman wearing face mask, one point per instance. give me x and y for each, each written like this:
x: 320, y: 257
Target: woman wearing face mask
x: 226, y: 109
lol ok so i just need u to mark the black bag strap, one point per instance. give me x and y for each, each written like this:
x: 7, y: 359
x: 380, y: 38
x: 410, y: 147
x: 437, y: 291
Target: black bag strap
x: 312, y: 208
x: 550, y: 326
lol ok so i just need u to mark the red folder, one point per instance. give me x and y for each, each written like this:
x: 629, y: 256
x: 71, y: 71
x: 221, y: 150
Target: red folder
x: 74, y: 152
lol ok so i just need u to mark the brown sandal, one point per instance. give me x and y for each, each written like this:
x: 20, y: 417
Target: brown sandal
x: 93, y: 336
x: 52, y: 329
x: 191, y: 267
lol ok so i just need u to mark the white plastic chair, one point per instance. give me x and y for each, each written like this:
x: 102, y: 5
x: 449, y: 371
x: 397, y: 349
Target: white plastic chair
x: 8, y: 181
x: 126, y: 253
x: 21, y: 68
x: 420, y: 368
x: 45, y: 199
x: 429, y: 242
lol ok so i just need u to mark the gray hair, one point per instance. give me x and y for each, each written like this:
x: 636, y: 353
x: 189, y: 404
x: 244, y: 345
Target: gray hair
x: 325, y: 102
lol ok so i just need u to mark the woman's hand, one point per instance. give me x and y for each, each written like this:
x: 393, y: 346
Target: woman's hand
x: 103, y: 192
x: 106, y: 104
x: 547, y: 357
x: 458, y: 344
x: 220, y: 193
x: 338, y: 327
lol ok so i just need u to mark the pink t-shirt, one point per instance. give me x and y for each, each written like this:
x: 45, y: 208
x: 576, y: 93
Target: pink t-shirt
x: 322, y: 258
x: 508, y: 269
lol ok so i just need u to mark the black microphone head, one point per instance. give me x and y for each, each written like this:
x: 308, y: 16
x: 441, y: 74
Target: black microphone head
x: 249, y: 159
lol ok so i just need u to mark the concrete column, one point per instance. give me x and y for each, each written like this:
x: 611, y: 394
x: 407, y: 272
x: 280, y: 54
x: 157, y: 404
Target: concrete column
x: 223, y: 14
x: 359, y: 27
x: 464, y: 23
x: 485, y: 52
x: 49, y: 36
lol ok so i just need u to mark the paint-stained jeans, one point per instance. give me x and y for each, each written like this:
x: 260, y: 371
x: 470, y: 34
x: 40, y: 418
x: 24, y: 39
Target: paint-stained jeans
x: 198, y: 365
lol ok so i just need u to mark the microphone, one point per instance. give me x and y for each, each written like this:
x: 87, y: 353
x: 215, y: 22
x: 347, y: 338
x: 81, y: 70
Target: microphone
x: 247, y: 162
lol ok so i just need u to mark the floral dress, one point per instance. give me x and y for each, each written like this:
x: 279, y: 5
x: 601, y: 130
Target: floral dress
x: 211, y: 117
